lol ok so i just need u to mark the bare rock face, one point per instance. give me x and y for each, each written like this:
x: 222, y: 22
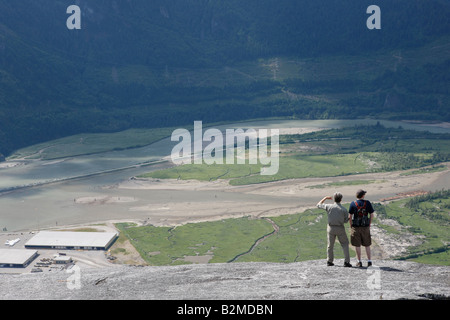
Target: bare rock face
x: 306, y: 280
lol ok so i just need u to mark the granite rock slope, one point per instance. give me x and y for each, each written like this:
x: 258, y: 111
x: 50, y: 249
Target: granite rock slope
x: 386, y: 280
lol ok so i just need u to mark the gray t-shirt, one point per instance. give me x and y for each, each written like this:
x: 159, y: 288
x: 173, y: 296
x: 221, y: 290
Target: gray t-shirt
x: 337, y: 214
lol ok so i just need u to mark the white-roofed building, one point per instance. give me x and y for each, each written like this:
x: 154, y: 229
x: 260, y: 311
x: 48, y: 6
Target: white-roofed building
x: 16, y: 258
x: 72, y: 240
x: 62, y: 259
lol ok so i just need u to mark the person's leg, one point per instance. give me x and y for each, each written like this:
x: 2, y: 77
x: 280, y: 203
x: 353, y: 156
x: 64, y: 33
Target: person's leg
x: 368, y: 256
x: 356, y: 242
x: 358, y: 253
x: 343, y: 240
x: 366, y: 241
x: 331, y: 240
x: 368, y: 252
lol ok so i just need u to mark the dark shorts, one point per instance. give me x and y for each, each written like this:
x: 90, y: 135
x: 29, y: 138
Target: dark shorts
x: 360, y: 236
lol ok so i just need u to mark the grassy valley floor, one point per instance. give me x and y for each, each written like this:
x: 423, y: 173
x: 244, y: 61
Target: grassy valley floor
x: 399, y: 232
x: 350, y: 158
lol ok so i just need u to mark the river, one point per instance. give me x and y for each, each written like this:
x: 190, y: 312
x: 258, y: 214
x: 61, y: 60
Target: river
x: 45, y: 191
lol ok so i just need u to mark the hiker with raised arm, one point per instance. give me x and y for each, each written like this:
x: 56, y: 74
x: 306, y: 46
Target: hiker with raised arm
x: 360, y: 215
x: 337, y: 217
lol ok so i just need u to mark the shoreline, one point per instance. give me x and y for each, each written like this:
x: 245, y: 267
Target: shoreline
x: 112, y: 195
x: 211, y: 205
x: 281, y: 199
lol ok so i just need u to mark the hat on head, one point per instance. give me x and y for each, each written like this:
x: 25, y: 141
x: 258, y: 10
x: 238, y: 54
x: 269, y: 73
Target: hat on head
x: 360, y: 193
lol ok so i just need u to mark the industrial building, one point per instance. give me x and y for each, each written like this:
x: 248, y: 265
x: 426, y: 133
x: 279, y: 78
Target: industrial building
x: 16, y: 258
x: 62, y: 259
x: 67, y: 240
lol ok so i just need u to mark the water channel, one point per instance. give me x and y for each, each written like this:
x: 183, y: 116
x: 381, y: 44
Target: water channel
x: 38, y: 194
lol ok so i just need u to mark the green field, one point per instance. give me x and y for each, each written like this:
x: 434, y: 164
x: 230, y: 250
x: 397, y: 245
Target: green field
x: 425, y: 170
x: 91, y: 143
x: 299, y: 237
x: 329, y: 153
x: 290, y: 167
x: 426, y: 216
x: 169, y: 246
x: 345, y: 183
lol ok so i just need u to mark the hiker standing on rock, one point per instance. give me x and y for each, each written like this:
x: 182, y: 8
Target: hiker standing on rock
x: 360, y: 221
x: 337, y: 217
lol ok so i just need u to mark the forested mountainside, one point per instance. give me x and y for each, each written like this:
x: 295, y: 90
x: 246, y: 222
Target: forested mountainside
x: 170, y: 62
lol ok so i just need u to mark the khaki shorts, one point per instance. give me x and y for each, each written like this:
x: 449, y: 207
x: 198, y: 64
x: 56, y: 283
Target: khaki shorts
x: 360, y: 236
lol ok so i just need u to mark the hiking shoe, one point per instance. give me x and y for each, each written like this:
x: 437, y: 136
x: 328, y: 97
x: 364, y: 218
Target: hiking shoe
x: 347, y: 264
x: 369, y: 264
x: 359, y: 264
x: 330, y: 264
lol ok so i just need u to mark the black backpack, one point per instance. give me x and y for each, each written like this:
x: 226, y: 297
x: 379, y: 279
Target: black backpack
x: 361, y: 217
